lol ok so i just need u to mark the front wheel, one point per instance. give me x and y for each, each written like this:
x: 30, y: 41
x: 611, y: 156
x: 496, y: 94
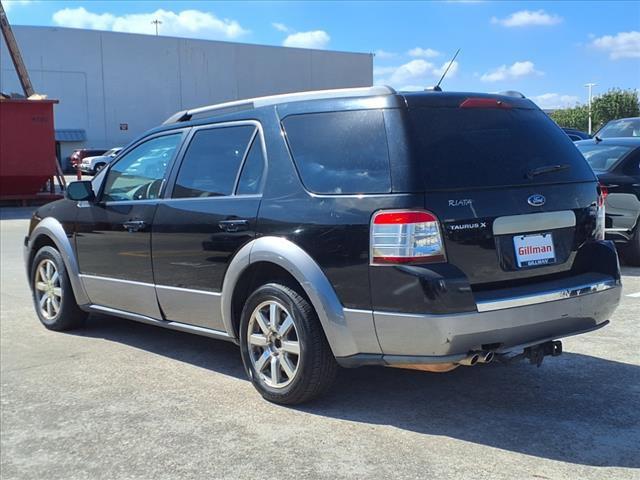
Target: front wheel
x: 53, y: 297
x: 283, y: 346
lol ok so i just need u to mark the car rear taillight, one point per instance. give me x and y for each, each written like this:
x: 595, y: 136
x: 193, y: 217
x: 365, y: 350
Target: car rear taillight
x: 405, y: 236
x: 484, y: 103
x: 600, y: 214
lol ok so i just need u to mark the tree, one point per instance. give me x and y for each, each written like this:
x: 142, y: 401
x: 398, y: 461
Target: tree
x: 576, y: 117
x: 616, y: 103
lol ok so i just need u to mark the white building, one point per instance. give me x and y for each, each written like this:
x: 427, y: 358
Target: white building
x: 114, y: 86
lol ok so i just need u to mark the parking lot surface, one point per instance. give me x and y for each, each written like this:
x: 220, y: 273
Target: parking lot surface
x: 120, y: 399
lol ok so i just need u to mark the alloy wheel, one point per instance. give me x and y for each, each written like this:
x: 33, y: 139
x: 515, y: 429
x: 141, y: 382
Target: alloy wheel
x: 273, y: 344
x: 48, y: 289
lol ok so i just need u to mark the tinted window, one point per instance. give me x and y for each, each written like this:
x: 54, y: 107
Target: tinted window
x: 627, y: 127
x: 139, y: 174
x: 340, y: 152
x: 603, y: 157
x: 479, y: 147
x: 251, y: 176
x: 212, y: 161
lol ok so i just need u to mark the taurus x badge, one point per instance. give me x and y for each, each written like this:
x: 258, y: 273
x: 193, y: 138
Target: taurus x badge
x: 536, y: 200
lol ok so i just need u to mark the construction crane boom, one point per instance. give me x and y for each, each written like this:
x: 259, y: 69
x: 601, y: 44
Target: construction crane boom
x: 14, y: 51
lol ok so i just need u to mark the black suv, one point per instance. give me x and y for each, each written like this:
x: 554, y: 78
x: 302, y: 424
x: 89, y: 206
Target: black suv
x: 346, y: 227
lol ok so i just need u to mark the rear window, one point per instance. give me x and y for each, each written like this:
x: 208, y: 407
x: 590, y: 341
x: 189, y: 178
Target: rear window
x: 340, y: 152
x: 487, y: 147
x: 604, y: 157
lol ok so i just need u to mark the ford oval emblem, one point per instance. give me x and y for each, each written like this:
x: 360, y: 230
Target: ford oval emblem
x: 536, y: 200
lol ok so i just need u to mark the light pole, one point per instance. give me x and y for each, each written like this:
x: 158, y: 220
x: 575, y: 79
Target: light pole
x: 590, y: 87
x: 156, y: 22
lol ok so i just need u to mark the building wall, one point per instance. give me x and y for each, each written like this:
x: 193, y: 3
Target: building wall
x: 105, y: 79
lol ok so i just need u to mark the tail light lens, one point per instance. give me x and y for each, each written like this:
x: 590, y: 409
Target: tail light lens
x: 484, y: 103
x: 405, y: 237
x: 600, y: 218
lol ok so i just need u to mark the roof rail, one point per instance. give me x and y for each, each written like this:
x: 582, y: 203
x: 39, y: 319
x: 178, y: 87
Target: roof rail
x: 251, y: 103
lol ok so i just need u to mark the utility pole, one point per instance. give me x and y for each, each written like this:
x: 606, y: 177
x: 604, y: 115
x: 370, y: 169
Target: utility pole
x: 156, y: 22
x: 590, y: 87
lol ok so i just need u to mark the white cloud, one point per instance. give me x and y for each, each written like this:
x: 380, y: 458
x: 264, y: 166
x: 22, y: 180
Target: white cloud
x: 621, y: 45
x: 9, y: 4
x: 526, y: 18
x: 555, y: 100
x: 180, y: 24
x: 313, y: 39
x: 423, y: 52
x: 281, y: 27
x: 384, y: 54
x: 413, y: 73
x: 512, y: 72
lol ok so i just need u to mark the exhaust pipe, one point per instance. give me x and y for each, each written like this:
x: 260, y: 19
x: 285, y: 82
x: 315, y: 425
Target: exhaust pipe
x: 470, y: 360
x: 486, y: 357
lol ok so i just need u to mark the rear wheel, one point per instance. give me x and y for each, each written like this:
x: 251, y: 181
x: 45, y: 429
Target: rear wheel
x: 284, y: 349
x: 53, y: 297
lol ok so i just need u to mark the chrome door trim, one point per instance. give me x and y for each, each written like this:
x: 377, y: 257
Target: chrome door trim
x: 182, y: 327
x: 543, y: 297
x: 534, y: 222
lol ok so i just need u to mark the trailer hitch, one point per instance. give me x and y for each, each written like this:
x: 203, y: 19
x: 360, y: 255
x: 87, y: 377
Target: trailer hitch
x: 535, y: 353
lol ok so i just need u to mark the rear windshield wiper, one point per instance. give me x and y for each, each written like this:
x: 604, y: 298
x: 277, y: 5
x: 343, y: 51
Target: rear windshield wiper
x: 546, y: 169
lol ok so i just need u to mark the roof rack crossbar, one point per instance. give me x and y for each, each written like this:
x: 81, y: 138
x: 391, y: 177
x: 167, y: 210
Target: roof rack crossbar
x: 250, y: 103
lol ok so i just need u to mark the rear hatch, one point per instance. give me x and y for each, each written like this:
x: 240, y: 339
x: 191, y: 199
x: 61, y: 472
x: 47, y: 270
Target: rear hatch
x: 514, y: 196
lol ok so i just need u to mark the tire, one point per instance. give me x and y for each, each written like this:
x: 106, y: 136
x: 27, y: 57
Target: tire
x: 631, y: 251
x: 50, y: 290
x: 98, y: 167
x: 299, y: 377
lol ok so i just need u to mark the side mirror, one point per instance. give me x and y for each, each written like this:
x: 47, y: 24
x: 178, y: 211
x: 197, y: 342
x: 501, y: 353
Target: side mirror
x: 80, y: 191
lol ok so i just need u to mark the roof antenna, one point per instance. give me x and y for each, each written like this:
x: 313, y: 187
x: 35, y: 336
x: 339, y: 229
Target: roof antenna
x: 437, y: 87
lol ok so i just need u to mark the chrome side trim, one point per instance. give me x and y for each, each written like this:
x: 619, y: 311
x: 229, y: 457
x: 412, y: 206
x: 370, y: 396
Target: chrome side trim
x: 549, y: 296
x: 85, y: 276
x: 533, y: 222
x: 53, y: 229
x: 189, y: 290
x: 626, y: 230
x: 182, y: 327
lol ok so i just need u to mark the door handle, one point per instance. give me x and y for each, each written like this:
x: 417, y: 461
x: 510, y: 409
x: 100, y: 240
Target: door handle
x: 236, y: 225
x: 134, y: 225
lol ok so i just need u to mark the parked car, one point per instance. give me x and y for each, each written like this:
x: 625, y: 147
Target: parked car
x: 346, y: 227
x: 93, y: 165
x: 77, y: 156
x: 616, y: 162
x: 575, y: 134
x: 624, y: 127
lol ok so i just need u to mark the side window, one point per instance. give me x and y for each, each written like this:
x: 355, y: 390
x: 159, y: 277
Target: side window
x: 139, y: 174
x: 340, y: 152
x: 211, y: 163
x: 252, y: 171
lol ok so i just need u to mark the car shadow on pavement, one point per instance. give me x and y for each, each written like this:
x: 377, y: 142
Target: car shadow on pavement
x: 574, y: 408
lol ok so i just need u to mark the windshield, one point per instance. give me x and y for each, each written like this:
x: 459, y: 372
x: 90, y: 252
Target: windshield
x: 603, y: 157
x: 111, y: 152
x: 488, y: 147
x: 626, y: 127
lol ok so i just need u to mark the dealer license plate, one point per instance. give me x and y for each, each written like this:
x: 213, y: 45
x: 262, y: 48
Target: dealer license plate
x: 534, y: 250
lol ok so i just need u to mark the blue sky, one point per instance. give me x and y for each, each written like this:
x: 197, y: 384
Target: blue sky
x: 547, y: 50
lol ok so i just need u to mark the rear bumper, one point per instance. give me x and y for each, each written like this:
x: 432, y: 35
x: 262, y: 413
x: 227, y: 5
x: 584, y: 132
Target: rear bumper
x: 509, y: 323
